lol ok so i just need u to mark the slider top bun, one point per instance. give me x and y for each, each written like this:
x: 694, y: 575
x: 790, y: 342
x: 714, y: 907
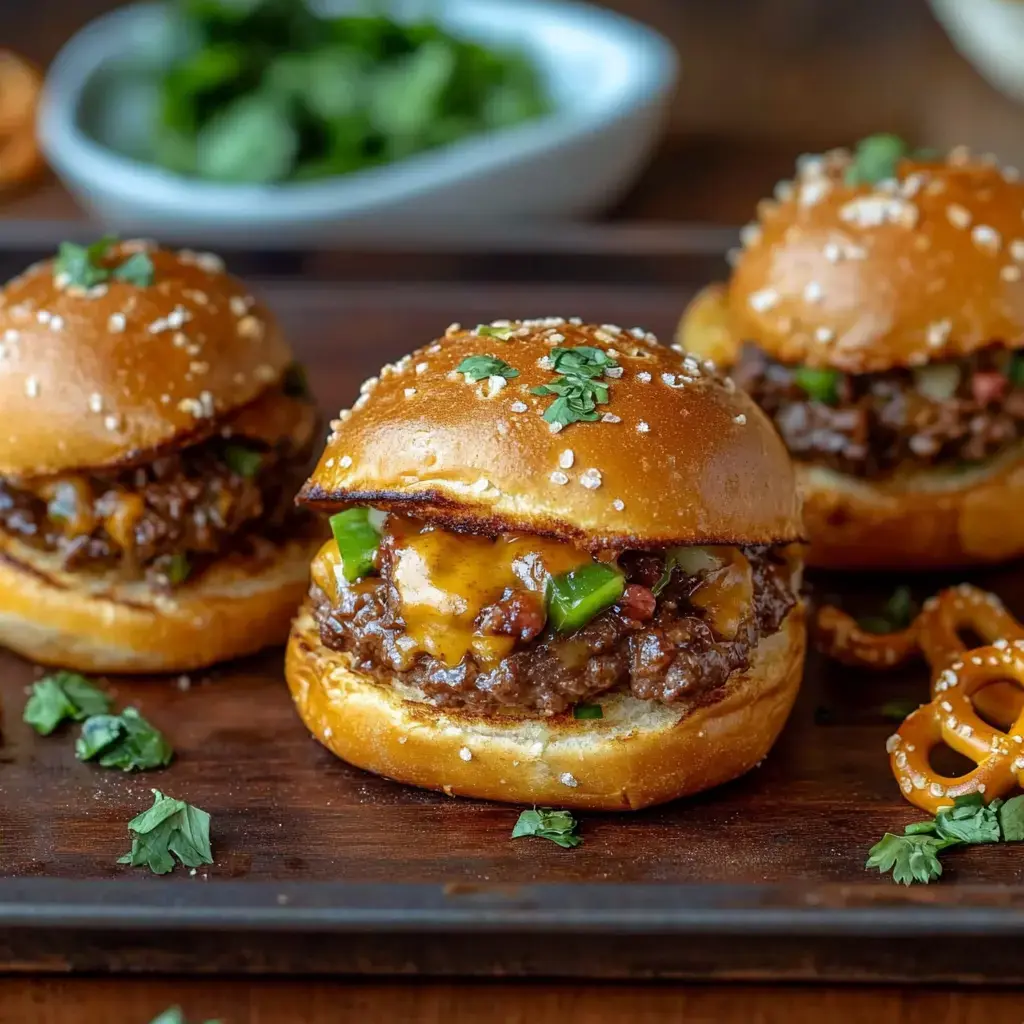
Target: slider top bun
x: 676, y: 457
x: 91, y: 378
x: 922, y: 266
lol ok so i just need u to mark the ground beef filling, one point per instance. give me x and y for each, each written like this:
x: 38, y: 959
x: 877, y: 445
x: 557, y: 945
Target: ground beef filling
x: 662, y: 648
x: 164, y: 520
x: 879, y: 423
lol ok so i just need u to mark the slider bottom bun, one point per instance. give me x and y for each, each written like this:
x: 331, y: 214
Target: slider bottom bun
x: 927, y: 519
x: 91, y: 623
x: 640, y: 753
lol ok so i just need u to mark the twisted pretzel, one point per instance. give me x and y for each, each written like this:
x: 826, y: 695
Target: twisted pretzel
x: 935, y: 633
x: 19, y: 94
x: 950, y: 718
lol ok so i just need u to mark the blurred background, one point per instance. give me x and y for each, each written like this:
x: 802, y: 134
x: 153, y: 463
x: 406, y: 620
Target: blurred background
x: 560, y: 113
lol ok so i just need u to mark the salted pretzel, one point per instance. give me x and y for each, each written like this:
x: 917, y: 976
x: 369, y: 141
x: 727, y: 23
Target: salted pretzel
x: 935, y: 633
x: 950, y: 718
x: 19, y: 96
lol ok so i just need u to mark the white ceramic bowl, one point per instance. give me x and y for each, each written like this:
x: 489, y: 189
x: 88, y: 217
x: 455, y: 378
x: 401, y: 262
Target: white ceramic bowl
x: 990, y: 34
x: 609, y: 77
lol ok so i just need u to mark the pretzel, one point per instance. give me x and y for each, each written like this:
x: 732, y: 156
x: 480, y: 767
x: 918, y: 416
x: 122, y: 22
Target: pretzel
x: 19, y: 95
x: 950, y: 718
x: 935, y: 633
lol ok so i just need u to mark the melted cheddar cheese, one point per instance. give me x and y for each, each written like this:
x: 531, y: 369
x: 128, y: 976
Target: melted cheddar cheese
x: 69, y: 501
x: 726, y: 594
x: 72, y: 503
x: 445, y: 580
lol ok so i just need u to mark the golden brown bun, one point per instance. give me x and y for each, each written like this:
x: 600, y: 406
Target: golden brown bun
x: 689, y: 464
x: 76, y: 391
x: 705, y: 328
x: 926, y: 520
x: 640, y: 753
x: 869, y: 277
x: 236, y: 607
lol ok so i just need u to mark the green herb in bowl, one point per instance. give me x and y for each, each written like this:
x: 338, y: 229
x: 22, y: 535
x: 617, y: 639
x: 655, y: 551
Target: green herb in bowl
x: 268, y: 91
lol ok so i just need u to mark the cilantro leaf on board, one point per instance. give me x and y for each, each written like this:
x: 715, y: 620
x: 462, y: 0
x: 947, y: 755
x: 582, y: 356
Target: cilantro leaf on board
x: 1011, y: 819
x: 557, y: 826
x: 125, y: 741
x: 913, y: 858
x: 60, y: 696
x: 175, y: 1015
x: 969, y: 820
x: 482, y: 366
x: 169, y: 829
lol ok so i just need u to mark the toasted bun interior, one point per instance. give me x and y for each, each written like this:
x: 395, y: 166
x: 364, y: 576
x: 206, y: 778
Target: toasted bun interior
x: 675, y: 457
x: 640, y: 753
x: 96, y: 624
x: 92, y: 378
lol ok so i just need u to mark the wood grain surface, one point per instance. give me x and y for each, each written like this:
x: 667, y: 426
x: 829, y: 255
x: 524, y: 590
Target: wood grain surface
x: 285, y: 810
x: 135, y: 1001
x: 287, y: 813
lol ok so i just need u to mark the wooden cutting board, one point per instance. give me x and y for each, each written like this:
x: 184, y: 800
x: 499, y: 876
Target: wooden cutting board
x: 323, y: 868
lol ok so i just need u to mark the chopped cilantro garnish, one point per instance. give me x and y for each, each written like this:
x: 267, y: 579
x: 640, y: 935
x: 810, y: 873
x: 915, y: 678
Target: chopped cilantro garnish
x: 490, y: 331
x: 175, y: 1015
x: 136, y: 270
x: 558, y: 826
x: 578, y: 390
x: 125, y: 741
x: 61, y: 696
x: 83, y: 266
x: 584, y: 360
x: 480, y: 367
x: 914, y: 856
x: 877, y: 157
x: 169, y: 829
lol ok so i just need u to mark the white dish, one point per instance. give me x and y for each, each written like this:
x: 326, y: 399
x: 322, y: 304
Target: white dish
x: 610, y: 78
x: 990, y: 34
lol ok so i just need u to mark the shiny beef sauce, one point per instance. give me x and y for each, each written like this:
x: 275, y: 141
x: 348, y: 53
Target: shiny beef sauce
x: 883, y: 422
x: 463, y: 619
x: 186, y: 503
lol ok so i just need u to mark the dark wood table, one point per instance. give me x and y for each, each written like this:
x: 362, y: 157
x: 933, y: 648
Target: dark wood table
x: 126, y: 1001
x: 828, y: 800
